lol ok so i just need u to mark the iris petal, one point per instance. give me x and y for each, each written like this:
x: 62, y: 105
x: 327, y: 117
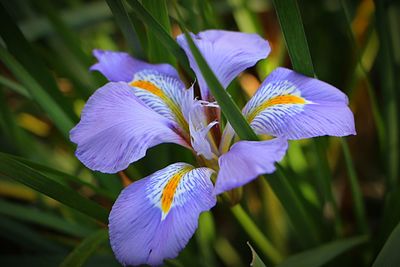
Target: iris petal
x: 154, y: 218
x: 162, y: 93
x: 246, y: 160
x: 117, y: 128
x: 227, y: 53
x: 120, y: 66
x: 294, y: 106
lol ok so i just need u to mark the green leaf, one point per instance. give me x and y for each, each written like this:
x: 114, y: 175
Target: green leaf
x: 12, y: 168
x: 156, y: 50
x: 321, y: 255
x: 86, y: 248
x: 256, y: 260
x: 157, y: 29
x: 126, y: 25
x: 64, y: 176
x: 19, y: 47
x: 205, y: 237
x: 299, y: 217
x: 256, y: 235
x: 53, y: 110
x: 16, y: 87
x: 296, y: 42
x: 292, y: 28
x: 68, y: 36
x: 42, y: 218
x: 356, y: 190
x: 25, y: 237
x: 389, y: 255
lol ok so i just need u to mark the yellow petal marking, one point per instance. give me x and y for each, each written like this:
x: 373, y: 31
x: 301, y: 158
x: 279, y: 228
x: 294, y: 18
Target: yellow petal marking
x: 278, y: 100
x: 169, y: 190
x: 155, y: 90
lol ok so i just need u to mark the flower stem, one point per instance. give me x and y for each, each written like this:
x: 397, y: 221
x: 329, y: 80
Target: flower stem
x: 256, y: 235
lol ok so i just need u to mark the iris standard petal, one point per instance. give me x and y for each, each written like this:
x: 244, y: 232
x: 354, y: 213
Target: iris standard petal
x: 116, y: 129
x: 227, y: 53
x: 294, y: 106
x: 164, y: 94
x: 246, y: 160
x: 120, y: 66
x: 154, y: 218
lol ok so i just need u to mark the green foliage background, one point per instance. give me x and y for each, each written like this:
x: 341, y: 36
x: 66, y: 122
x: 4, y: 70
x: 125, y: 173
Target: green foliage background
x: 333, y: 202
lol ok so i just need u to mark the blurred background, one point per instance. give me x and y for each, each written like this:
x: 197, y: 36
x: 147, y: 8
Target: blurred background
x: 53, y: 210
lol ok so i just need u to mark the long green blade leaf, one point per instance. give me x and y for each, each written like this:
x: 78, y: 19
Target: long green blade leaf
x: 156, y: 50
x: 256, y: 260
x: 296, y: 42
x: 389, y: 255
x: 322, y: 254
x: 293, y: 32
x: 11, y: 168
x: 160, y: 32
x: 38, y: 217
x: 58, y: 116
x: 126, y: 25
x: 64, y: 176
x: 81, y: 253
x: 25, y: 54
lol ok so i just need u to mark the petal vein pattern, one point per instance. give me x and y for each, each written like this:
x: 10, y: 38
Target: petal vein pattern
x: 117, y: 128
x: 162, y: 93
x: 142, y: 231
x: 294, y: 106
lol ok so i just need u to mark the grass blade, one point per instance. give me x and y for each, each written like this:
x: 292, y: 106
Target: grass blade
x: 68, y: 36
x: 24, y: 236
x: 16, y: 87
x: 42, y: 218
x: 389, y: 255
x: 86, y: 248
x: 356, y: 190
x: 321, y: 255
x: 126, y: 25
x: 292, y: 28
x: 24, y: 53
x: 156, y: 50
x: 160, y: 33
x: 58, y: 116
x: 65, y: 177
x: 256, y: 235
x: 11, y: 168
x: 296, y: 42
x: 300, y: 219
x: 255, y: 261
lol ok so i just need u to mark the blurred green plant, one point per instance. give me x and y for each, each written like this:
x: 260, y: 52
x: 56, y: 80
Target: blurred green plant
x: 54, y: 211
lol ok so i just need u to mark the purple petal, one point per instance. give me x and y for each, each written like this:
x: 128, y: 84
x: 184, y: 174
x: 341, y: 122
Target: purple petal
x: 143, y: 231
x: 294, y: 106
x: 116, y: 129
x: 120, y: 66
x: 227, y: 53
x: 246, y: 160
x: 162, y: 93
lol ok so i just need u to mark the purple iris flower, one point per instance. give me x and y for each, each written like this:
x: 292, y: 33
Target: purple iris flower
x: 144, y: 105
